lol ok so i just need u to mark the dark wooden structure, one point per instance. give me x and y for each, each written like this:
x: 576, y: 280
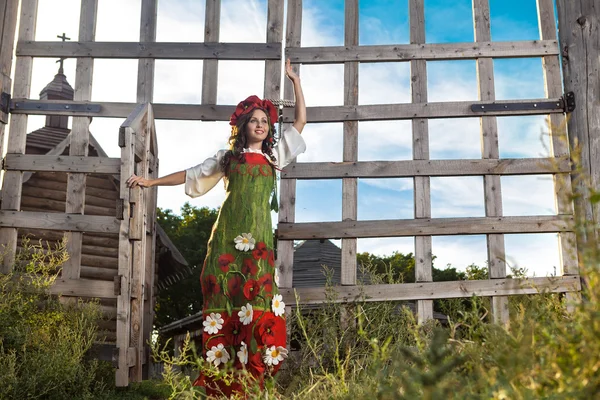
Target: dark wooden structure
x: 578, y: 44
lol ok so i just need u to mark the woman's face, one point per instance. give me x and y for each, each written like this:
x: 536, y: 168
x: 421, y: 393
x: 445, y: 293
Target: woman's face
x: 257, y: 129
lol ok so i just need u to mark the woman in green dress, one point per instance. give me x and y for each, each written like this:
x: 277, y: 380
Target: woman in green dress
x: 244, y: 315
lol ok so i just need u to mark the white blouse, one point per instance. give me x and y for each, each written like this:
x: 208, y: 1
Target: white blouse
x: 203, y: 177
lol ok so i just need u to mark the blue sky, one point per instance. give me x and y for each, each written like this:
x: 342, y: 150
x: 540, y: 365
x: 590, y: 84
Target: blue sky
x: 185, y: 143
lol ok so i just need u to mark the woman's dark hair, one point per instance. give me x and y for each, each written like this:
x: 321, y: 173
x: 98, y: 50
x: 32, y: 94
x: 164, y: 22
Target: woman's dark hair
x: 238, y: 142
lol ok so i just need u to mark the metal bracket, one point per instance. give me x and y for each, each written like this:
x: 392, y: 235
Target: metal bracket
x: 566, y: 103
x: 4, y: 107
x: 568, y: 100
x: 39, y: 106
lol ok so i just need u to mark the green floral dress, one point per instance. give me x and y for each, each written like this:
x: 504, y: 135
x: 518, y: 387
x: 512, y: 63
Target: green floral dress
x: 244, y: 315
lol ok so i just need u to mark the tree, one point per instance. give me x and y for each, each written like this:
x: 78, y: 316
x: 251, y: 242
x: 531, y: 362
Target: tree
x: 190, y: 232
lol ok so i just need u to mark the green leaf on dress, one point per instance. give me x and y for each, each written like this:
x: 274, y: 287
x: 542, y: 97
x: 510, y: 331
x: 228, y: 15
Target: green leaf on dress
x: 228, y: 306
x: 253, y: 346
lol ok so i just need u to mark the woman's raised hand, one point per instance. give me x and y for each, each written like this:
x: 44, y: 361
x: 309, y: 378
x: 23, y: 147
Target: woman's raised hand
x: 289, y: 72
x: 140, y: 181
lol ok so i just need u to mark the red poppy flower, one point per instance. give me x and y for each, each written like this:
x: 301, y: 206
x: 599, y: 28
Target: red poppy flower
x: 271, y: 258
x: 210, y: 286
x: 260, y: 251
x: 249, y: 267
x: 266, y: 281
x: 224, y: 261
x: 235, y: 332
x: 234, y: 285
x: 270, y: 330
x: 251, y: 289
x: 255, y: 363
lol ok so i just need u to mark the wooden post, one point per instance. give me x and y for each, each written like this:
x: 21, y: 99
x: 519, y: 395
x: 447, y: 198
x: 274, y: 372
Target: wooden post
x: 13, y: 180
x: 80, y: 138
x: 8, y: 26
x: 145, y: 94
x: 287, y: 212
x: 274, y: 35
x: 349, y: 185
x: 489, y: 149
x: 420, y: 131
x: 210, y: 68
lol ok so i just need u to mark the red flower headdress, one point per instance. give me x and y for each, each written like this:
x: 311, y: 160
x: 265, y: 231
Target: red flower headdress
x: 253, y: 103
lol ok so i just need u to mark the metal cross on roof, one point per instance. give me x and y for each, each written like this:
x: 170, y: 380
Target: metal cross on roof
x: 64, y: 38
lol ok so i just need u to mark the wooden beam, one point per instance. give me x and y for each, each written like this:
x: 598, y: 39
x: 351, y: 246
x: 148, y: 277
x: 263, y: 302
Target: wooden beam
x: 145, y: 82
x: 83, y: 288
x: 422, y: 51
x: 424, y: 227
x: 8, y: 26
x: 425, y: 168
x: 210, y: 68
x: 272, y: 87
x: 287, y: 202
x: 80, y: 164
x: 433, y: 290
x: 420, y: 136
x: 58, y: 221
x: 154, y: 50
x: 350, y: 146
x: 377, y: 112
x: 13, y: 180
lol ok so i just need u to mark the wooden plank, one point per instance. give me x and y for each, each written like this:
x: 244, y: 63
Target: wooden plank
x: 423, y: 227
x: 420, y: 137
x: 125, y: 261
x: 350, y: 145
x: 275, y: 20
x: 425, y: 168
x: 145, y: 82
x: 8, y: 25
x: 83, y: 288
x: 422, y: 51
x: 315, y: 114
x: 559, y: 142
x: 154, y: 50
x: 287, y: 202
x: 58, y: 221
x: 12, y: 183
x: 489, y: 147
x: 81, y: 164
x: 210, y: 68
x: 80, y: 138
x: 434, y: 290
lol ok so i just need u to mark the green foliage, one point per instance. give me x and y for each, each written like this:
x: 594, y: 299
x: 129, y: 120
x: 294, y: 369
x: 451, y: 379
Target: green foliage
x: 43, y: 343
x: 190, y: 232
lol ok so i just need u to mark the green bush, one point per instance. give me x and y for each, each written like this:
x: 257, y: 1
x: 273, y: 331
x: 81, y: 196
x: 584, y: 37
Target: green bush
x: 43, y: 343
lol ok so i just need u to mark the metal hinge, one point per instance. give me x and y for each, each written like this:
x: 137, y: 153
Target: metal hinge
x: 30, y: 105
x: 4, y: 107
x: 566, y: 104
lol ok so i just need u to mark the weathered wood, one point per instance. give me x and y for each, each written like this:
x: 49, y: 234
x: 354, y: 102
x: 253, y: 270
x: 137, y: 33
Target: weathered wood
x: 420, y: 138
x: 210, y: 68
x: 12, y: 183
x: 421, y: 51
x: 86, y: 288
x: 99, y: 261
x: 424, y: 227
x: 8, y: 25
x: 93, y: 195
x: 58, y: 221
x: 272, y: 87
x: 287, y: 203
x: 410, y: 168
x: 489, y: 147
x: 145, y: 82
x: 106, y: 252
x: 82, y: 164
x: 558, y: 140
x: 30, y: 203
x: 154, y: 50
x: 434, y: 290
x: 103, y: 274
x: 60, y: 195
x: 350, y: 145
x: 98, y: 182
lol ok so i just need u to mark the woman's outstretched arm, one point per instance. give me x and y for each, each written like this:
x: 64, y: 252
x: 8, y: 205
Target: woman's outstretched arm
x: 300, y: 115
x: 176, y: 178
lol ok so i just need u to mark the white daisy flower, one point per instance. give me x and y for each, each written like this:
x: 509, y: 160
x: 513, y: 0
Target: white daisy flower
x: 213, y: 323
x: 278, y: 305
x: 245, y: 242
x: 246, y: 314
x: 276, y: 276
x: 243, y: 354
x: 218, y: 355
x: 275, y: 355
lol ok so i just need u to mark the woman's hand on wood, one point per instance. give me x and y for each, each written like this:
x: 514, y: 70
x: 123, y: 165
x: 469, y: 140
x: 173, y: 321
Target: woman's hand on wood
x: 289, y: 72
x: 140, y: 181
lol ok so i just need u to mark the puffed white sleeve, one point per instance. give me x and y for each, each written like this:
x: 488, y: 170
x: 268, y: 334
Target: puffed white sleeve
x: 290, y: 145
x: 203, y: 177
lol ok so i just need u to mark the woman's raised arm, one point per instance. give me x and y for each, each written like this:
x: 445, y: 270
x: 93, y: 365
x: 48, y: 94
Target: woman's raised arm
x: 300, y: 115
